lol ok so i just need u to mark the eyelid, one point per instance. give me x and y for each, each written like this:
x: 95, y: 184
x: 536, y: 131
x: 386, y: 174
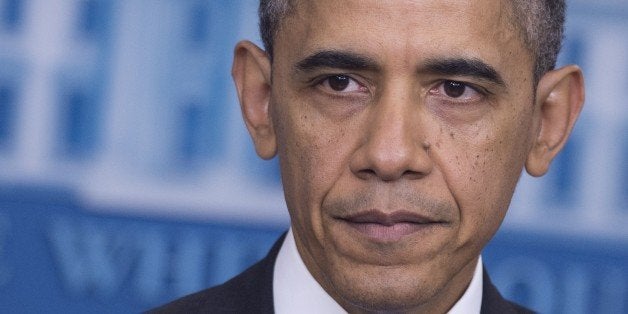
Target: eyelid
x: 480, y: 93
x: 475, y: 87
x: 480, y: 89
x: 320, y: 79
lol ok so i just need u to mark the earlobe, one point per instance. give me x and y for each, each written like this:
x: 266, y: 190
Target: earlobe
x: 251, y: 73
x: 559, y: 99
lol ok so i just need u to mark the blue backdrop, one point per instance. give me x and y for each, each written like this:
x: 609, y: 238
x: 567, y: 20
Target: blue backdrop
x: 127, y: 178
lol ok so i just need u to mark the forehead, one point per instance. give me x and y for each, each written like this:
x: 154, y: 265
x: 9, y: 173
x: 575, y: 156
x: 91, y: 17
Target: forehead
x: 415, y: 28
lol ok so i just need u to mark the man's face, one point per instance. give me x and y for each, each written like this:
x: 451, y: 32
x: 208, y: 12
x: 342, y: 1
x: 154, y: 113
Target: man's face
x: 402, y: 128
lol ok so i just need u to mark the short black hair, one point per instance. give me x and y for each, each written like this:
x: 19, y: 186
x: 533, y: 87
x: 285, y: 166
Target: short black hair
x: 541, y: 23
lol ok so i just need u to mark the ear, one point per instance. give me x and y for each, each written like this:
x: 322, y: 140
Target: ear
x: 251, y: 73
x: 559, y: 99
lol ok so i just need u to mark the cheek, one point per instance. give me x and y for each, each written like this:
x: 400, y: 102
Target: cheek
x: 481, y: 168
x: 311, y: 156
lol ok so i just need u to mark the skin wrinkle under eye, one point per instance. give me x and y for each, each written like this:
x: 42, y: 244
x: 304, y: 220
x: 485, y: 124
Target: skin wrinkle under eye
x: 337, y: 105
x: 461, y: 113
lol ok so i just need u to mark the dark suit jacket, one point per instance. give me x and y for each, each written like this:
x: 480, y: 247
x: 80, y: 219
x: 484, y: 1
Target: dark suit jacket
x: 252, y: 292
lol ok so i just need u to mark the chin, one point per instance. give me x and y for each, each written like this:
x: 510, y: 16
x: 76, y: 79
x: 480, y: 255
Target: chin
x: 384, y: 290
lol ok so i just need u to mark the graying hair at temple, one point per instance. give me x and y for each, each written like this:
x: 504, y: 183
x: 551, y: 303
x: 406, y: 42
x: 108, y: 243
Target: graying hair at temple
x: 541, y: 23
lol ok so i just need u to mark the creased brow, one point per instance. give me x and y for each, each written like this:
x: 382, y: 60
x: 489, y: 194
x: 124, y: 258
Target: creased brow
x: 337, y: 60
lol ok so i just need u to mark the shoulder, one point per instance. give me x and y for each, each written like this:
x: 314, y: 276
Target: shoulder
x: 250, y: 291
x: 493, y: 302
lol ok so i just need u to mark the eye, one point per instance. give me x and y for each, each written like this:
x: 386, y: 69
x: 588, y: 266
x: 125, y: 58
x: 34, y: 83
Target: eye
x: 454, y: 89
x: 343, y: 84
x: 459, y: 91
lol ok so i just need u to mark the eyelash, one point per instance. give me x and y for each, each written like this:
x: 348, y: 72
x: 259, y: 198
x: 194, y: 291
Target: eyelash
x: 320, y: 81
x: 435, y: 90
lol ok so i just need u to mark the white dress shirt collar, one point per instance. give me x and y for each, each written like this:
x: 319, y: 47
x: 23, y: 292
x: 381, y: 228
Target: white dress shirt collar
x: 296, y: 291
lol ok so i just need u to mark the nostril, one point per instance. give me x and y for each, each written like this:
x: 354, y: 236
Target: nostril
x: 413, y: 175
x: 366, y: 174
x: 386, y: 175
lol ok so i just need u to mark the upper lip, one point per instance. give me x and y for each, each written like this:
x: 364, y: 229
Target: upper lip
x: 389, y: 219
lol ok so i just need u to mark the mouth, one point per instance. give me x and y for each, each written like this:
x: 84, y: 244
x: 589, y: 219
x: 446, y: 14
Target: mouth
x: 383, y: 227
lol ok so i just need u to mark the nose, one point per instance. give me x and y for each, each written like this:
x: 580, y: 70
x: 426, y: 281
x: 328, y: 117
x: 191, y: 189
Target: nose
x: 394, y: 144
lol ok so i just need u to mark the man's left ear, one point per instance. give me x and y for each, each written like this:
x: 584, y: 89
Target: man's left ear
x: 559, y: 97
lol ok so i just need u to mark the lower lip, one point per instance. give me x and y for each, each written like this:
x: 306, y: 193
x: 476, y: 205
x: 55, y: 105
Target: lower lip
x: 382, y: 233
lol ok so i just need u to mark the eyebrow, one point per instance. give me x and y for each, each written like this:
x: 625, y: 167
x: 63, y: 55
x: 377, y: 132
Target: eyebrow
x: 463, y: 67
x: 471, y: 67
x: 336, y: 59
